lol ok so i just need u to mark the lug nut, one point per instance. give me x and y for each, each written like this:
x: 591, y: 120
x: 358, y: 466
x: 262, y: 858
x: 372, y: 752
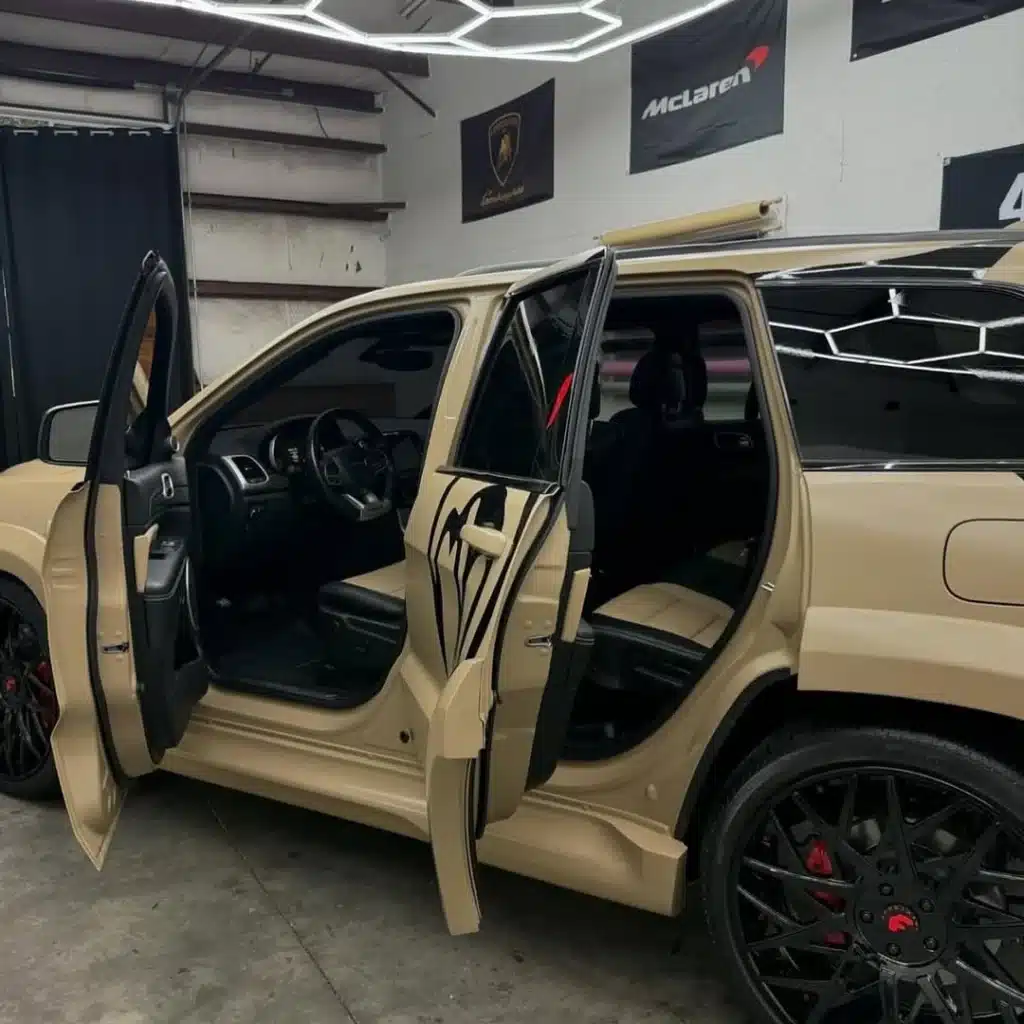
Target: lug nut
x: 931, y: 944
x: 927, y: 906
x: 866, y: 916
x: 885, y: 889
x: 892, y: 949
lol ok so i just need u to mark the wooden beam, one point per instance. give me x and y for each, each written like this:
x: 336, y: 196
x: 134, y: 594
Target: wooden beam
x: 219, y: 131
x: 370, y: 211
x: 173, y: 23
x: 264, y: 290
x: 71, y: 67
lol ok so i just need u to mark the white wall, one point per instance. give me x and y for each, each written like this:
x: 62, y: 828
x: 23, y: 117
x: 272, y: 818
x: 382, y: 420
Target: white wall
x: 246, y: 247
x: 862, y: 148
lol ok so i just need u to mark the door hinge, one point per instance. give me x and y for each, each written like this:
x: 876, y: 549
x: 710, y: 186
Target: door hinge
x: 121, y: 648
x: 539, y: 641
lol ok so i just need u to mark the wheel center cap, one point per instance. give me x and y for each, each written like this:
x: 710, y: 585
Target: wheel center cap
x: 907, y: 928
x: 899, y: 918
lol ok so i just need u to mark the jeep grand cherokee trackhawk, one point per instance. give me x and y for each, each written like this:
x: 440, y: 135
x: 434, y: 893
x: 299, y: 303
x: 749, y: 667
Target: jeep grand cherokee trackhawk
x: 701, y: 557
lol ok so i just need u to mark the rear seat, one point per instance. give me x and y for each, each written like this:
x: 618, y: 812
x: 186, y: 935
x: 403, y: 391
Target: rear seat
x: 656, y: 635
x: 667, y: 608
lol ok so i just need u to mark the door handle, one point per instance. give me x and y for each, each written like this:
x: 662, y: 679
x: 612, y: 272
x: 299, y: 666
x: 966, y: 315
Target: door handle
x: 484, y: 539
x: 734, y: 441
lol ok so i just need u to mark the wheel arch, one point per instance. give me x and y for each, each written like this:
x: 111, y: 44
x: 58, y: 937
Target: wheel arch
x: 21, y: 559
x: 776, y: 699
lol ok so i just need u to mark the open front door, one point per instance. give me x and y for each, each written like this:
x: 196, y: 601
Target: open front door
x: 114, y: 578
x: 497, y: 553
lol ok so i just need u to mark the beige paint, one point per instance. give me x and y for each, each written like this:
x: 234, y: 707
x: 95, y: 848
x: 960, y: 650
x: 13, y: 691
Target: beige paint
x: 881, y: 618
x: 854, y: 598
x: 984, y: 561
x: 142, y: 545
x: 92, y: 796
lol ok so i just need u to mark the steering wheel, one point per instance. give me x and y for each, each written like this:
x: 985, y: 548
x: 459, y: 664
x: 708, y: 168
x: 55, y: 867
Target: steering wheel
x: 358, y: 478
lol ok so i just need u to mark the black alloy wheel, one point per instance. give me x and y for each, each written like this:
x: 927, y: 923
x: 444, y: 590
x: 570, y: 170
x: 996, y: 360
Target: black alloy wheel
x: 872, y: 877
x: 28, y: 700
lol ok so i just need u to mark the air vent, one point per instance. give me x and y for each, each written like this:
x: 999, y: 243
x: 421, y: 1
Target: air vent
x: 251, y: 472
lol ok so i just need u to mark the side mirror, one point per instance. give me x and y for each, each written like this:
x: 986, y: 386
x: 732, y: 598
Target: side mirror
x: 65, y: 433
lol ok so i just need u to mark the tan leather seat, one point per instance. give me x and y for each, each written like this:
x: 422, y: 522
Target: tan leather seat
x: 389, y: 581
x: 668, y: 608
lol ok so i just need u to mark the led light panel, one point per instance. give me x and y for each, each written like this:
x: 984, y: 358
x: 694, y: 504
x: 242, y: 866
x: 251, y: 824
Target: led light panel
x: 592, y: 28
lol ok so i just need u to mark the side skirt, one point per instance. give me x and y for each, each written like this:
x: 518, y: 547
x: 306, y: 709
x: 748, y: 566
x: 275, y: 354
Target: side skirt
x: 550, y: 838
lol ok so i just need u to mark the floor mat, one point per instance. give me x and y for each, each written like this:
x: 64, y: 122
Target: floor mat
x: 289, y: 655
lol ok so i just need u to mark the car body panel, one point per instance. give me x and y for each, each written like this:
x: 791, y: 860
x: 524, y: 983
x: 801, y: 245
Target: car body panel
x: 101, y: 738
x: 91, y: 793
x: 857, y: 602
x: 871, y: 630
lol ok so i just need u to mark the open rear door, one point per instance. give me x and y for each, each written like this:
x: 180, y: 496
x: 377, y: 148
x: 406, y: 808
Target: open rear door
x: 497, y: 554
x: 114, y: 578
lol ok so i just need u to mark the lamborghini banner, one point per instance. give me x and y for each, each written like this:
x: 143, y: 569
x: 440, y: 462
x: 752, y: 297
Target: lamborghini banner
x: 508, y: 155
x: 710, y: 85
x: 882, y: 25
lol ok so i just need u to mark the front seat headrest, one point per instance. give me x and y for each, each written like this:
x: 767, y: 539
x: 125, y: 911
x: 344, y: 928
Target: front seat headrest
x: 655, y: 384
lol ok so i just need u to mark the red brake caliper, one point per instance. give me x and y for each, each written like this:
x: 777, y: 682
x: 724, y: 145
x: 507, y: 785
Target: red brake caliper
x: 818, y: 862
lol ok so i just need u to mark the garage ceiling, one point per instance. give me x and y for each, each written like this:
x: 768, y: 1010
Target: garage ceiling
x: 119, y: 43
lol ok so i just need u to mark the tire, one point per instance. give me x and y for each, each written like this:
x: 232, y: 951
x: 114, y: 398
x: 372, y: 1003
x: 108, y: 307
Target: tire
x: 37, y: 782
x: 892, y: 905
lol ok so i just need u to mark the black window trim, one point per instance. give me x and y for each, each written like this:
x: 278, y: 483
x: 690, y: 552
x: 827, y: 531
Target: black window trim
x: 509, y: 303
x: 883, y: 280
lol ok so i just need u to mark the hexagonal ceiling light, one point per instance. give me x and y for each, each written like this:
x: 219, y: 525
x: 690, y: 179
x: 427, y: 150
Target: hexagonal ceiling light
x: 601, y: 30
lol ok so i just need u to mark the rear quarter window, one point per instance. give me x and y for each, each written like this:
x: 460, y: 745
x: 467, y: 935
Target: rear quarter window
x: 901, y: 373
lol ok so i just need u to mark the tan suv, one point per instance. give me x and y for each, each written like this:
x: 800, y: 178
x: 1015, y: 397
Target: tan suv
x: 702, y: 558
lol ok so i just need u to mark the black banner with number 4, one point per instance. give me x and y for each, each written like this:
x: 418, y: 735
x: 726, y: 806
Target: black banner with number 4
x: 983, y: 190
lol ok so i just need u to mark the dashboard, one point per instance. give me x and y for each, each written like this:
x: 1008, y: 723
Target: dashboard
x: 256, y: 498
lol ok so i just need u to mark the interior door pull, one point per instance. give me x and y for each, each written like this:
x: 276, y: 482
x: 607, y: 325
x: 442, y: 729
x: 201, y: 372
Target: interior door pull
x: 484, y: 539
x: 734, y: 441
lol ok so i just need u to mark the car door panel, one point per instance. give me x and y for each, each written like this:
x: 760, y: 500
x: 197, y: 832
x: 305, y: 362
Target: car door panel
x: 489, y: 576
x: 114, y: 578
x: 81, y: 738
x: 157, y: 496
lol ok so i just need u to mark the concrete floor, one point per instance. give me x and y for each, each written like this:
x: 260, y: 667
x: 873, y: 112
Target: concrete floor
x: 217, y: 907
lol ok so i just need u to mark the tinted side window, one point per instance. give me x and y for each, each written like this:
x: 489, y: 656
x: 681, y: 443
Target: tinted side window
x: 901, y: 373
x: 517, y: 419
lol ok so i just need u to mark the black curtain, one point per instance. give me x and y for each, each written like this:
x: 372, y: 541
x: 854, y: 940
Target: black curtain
x: 80, y: 209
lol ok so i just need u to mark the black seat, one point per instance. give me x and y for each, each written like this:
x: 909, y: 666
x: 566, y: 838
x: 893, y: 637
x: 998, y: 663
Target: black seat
x: 363, y: 621
x: 637, y: 473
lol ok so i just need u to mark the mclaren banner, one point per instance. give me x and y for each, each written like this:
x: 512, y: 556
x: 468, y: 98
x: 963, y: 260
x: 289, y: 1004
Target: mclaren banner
x: 715, y: 83
x: 882, y: 25
x: 984, y: 190
x: 508, y: 155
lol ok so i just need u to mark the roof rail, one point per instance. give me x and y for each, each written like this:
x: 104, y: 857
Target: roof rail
x: 741, y: 222
x: 497, y: 268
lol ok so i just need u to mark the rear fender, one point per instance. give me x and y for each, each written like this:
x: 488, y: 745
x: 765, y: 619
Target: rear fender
x: 944, y: 659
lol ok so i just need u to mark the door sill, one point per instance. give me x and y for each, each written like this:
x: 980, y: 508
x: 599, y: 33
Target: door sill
x: 308, y: 696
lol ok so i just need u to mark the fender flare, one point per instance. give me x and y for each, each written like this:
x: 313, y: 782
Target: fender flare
x: 944, y: 659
